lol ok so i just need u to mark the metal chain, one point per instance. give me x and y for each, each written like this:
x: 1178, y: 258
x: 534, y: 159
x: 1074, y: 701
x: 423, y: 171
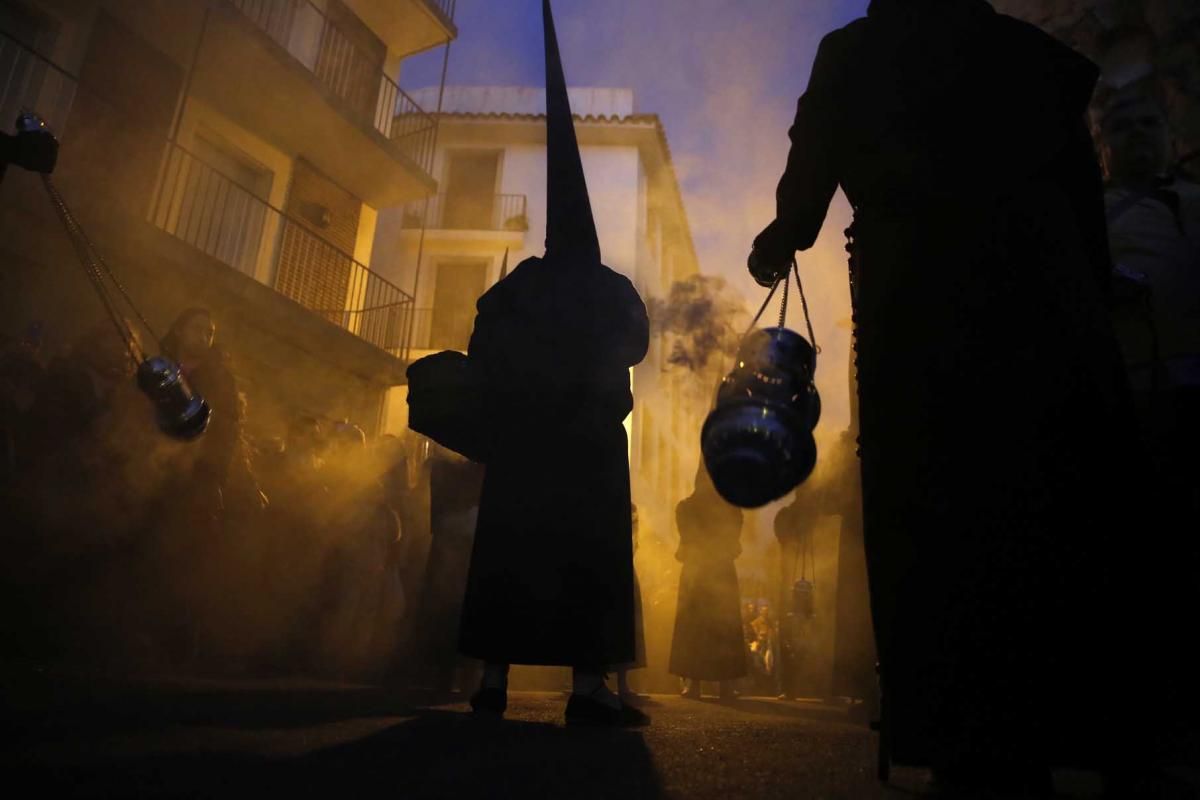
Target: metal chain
x: 787, y: 281
x: 96, y: 259
x: 812, y: 337
x: 88, y: 261
x: 795, y: 270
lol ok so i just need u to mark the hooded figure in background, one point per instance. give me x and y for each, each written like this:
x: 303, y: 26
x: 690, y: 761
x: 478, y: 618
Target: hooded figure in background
x: 708, y: 642
x: 995, y: 420
x: 551, y: 575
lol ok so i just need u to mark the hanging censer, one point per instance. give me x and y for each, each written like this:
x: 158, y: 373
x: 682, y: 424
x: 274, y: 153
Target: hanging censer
x: 758, y: 440
x: 181, y: 413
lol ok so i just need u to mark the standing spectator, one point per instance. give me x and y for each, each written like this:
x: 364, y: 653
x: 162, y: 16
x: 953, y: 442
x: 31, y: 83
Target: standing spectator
x: 1154, y: 230
x: 191, y: 342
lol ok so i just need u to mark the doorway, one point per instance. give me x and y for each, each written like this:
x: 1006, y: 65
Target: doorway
x: 457, y: 285
x: 471, y: 190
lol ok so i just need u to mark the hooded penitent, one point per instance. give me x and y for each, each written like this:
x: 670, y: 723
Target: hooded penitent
x: 551, y: 576
x: 990, y: 515
x: 570, y: 228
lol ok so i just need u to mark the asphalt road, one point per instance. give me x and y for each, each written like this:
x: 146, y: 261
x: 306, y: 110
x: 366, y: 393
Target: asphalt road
x: 83, y: 736
x: 189, y: 739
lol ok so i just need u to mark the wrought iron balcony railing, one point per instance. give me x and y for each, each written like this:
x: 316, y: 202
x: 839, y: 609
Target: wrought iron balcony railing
x: 445, y: 7
x: 441, y: 328
x: 201, y: 206
x: 31, y: 82
x: 467, y: 212
x: 350, y: 73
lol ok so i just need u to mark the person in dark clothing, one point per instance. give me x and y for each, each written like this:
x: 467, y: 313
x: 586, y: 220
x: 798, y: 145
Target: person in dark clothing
x: 994, y: 411
x: 455, y: 488
x: 191, y: 341
x: 709, y: 643
x: 190, y: 507
x: 551, y: 575
x: 1154, y: 231
x: 794, y: 530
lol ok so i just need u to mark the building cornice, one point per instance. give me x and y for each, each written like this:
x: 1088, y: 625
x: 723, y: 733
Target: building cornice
x: 643, y: 131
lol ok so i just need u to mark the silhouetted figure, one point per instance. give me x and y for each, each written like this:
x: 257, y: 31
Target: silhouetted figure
x: 187, y: 517
x: 551, y: 577
x: 455, y: 488
x: 362, y: 599
x: 794, y: 529
x: 1154, y: 230
x: 994, y: 413
x: 709, y: 642
x: 191, y: 342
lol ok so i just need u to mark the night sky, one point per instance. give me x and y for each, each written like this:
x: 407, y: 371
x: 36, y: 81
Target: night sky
x: 724, y: 77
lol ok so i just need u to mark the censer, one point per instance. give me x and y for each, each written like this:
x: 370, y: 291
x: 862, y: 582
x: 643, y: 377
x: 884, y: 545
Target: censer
x: 758, y: 440
x: 181, y: 413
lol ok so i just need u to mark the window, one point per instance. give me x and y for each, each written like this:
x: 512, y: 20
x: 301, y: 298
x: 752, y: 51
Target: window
x: 470, y: 201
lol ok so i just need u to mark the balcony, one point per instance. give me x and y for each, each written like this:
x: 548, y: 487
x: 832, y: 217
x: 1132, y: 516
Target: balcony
x: 499, y: 212
x: 408, y: 26
x: 283, y: 70
x: 31, y: 82
x: 198, y: 205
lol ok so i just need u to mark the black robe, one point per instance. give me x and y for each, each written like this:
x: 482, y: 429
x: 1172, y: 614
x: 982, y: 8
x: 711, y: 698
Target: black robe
x: 994, y: 417
x: 551, y: 576
x: 708, y: 643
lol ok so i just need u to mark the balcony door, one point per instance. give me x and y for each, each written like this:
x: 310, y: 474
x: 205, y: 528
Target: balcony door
x: 471, y: 190
x: 316, y: 268
x: 225, y: 204
x: 458, y: 284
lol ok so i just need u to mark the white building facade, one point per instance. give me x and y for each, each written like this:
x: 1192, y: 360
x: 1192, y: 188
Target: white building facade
x: 490, y: 164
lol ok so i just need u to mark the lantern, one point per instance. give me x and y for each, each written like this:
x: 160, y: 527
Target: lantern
x: 181, y: 413
x: 758, y: 440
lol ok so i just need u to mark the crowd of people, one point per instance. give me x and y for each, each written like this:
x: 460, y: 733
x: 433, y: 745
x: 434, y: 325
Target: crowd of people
x: 228, y: 554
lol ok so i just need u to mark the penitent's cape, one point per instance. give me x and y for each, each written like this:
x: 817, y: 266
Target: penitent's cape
x: 994, y: 431
x: 551, y: 577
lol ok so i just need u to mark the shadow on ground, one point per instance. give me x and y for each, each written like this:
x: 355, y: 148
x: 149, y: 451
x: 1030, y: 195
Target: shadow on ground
x: 191, y: 741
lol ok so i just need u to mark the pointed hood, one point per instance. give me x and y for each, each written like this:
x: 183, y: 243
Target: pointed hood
x: 570, y: 229
x: 504, y: 266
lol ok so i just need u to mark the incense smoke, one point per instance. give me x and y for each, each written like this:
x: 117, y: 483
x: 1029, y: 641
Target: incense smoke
x: 701, y: 315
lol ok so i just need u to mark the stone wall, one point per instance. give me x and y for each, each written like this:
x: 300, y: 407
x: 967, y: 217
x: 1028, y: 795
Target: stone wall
x: 1131, y: 39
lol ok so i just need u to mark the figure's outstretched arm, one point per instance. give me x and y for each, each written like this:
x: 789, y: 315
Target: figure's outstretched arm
x: 811, y: 177
x: 807, y: 186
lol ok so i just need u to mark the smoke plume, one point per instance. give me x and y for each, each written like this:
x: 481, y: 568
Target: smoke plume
x: 702, y: 315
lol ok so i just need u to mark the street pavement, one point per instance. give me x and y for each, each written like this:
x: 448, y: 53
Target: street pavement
x: 221, y: 739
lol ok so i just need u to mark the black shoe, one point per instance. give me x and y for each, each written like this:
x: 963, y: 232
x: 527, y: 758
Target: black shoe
x: 489, y: 701
x: 585, y: 711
